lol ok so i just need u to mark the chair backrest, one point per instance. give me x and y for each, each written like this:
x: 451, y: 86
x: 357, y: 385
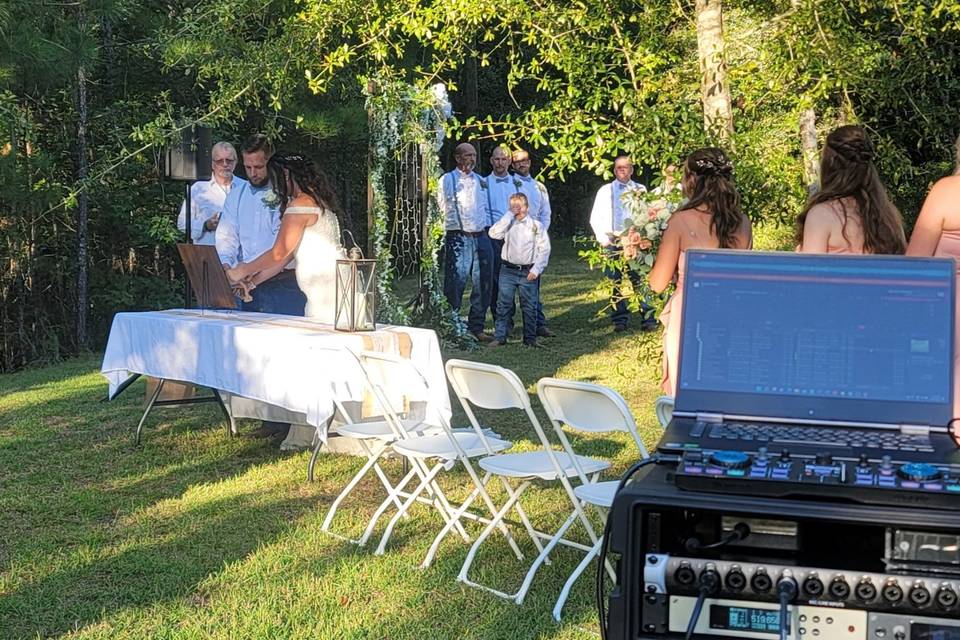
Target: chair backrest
x: 664, y: 410
x: 487, y: 386
x: 586, y: 407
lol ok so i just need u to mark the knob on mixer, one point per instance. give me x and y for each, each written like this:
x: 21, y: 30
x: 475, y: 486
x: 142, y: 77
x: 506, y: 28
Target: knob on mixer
x: 918, y: 471
x: 730, y: 459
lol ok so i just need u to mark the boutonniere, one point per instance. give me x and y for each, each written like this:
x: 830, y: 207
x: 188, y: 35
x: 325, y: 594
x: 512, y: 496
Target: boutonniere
x: 517, y: 183
x: 483, y: 183
x: 271, y: 199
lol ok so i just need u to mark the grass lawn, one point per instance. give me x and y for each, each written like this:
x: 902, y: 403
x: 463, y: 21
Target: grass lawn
x: 196, y: 535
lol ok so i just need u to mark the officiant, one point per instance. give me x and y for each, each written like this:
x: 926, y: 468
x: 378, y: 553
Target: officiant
x: 207, y: 196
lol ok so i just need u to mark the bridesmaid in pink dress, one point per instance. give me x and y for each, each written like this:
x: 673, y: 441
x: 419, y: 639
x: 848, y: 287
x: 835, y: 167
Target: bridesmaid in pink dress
x: 711, y: 219
x: 851, y: 213
x: 937, y: 233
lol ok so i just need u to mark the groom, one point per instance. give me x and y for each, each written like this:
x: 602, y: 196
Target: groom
x: 248, y: 227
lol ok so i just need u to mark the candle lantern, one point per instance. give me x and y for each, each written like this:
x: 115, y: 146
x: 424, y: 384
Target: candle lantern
x: 356, y: 293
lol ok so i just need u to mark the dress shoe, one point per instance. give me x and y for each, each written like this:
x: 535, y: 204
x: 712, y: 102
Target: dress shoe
x: 497, y: 343
x: 649, y: 325
x: 533, y: 345
x: 482, y: 337
x: 620, y: 328
x: 544, y: 332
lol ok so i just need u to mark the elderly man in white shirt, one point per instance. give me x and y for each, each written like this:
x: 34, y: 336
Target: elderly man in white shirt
x: 248, y: 227
x: 526, y: 251
x: 606, y: 220
x: 539, y: 201
x: 207, y: 196
x: 463, y: 199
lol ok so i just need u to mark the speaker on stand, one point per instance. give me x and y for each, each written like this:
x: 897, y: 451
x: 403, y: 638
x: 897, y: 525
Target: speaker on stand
x: 189, y: 161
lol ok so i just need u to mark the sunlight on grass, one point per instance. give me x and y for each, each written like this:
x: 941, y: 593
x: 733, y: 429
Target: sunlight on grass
x: 197, y: 535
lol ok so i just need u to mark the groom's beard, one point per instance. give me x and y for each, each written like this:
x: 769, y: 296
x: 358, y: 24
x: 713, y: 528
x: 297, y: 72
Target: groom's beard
x: 262, y: 183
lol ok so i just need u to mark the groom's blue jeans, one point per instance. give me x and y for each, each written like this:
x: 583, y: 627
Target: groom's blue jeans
x: 279, y: 294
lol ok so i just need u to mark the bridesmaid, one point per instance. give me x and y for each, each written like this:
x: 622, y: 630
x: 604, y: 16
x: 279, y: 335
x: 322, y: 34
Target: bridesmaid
x: 937, y: 233
x: 851, y: 213
x: 710, y: 219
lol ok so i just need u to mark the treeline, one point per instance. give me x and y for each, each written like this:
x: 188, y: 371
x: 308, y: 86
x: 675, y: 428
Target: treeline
x: 90, y: 91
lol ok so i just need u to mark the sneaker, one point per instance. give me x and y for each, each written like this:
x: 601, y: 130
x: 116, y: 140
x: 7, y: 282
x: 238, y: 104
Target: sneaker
x: 482, y: 337
x: 544, y: 332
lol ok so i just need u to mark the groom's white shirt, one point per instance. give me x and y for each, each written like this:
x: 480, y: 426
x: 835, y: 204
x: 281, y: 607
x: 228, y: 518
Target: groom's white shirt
x: 607, y: 214
x: 248, y: 226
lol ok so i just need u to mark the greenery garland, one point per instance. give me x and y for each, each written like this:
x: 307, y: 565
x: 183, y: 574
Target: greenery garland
x: 402, y: 114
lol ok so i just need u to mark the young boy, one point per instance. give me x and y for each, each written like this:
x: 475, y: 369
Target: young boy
x: 526, y: 250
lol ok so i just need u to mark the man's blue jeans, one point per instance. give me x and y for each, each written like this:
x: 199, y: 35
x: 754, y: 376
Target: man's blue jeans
x: 620, y: 314
x: 279, y: 294
x: 512, y: 279
x: 470, y: 256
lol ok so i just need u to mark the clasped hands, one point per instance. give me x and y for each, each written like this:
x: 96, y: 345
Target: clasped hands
x: 241, y: 283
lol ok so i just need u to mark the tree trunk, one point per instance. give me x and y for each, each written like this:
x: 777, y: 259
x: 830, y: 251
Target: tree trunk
x: 715, y: 94
x: 811, y: 157
x: 82, y: 211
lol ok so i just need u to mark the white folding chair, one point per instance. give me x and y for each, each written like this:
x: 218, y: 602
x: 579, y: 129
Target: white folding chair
x: 487, y: 386
x: 374, y: 437
x: 441, y: 449
x: 664, y: 410
x: 589, y: 408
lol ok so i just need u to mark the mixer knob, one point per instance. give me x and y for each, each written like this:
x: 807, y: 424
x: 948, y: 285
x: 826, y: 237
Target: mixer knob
x: 824, y: 459
x: 886, y: 463
x: 785, y: 455
x: 918, y: 472
x: 730, y: 459
x: 864, y: 460
x: 762, y: 454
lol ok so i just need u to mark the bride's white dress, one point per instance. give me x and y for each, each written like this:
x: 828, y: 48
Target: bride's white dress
x: 316, y: 257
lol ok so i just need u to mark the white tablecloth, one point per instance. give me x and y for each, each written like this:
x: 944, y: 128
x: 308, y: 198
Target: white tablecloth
x: 292, y: 364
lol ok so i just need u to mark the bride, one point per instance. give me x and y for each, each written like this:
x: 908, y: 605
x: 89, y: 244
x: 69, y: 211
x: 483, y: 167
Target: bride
x: 309, y: 233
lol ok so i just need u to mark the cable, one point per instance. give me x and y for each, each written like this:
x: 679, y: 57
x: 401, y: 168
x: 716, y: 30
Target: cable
x: 787, y: 591
x: 709, y: 585
x: 740, y: 532
x: 602, y: 557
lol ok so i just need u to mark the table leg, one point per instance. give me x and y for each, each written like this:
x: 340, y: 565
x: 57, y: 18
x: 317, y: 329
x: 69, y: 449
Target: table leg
x: 153, y: 399
x: 231, y: 425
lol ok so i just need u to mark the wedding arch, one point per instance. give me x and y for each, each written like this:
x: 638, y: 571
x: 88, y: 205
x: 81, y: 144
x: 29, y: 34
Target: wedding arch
x: 407, y: 127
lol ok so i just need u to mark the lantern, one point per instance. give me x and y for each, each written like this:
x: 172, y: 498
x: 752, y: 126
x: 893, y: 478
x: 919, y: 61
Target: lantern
x: 356, y: 300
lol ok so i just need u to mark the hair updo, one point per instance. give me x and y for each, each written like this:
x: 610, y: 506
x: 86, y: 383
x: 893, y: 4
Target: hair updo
x: 303, y: 172
x: 708, y: 182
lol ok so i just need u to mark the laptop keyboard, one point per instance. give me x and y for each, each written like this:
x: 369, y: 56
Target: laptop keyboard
x: 764, y: 434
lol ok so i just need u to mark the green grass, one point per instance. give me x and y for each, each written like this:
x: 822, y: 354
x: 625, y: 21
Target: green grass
x: 196, y: 535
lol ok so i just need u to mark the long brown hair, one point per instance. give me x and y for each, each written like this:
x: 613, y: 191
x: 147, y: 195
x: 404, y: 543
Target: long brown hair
x: 708, y: 180
x: 306, y: 175
x: 956, y: 149
x: 847, y: 171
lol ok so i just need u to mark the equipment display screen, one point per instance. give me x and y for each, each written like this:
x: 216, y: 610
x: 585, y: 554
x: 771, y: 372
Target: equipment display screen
x: 919, y: 631
x: 745, y: 619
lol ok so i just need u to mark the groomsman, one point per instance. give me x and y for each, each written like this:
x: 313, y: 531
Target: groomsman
x: 606, y: 219
x: 539, y: 203
x: 463, y: 199
x: 500, y: 186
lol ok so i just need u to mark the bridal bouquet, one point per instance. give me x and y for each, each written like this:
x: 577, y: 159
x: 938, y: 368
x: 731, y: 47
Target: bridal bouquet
x: 643, y: 229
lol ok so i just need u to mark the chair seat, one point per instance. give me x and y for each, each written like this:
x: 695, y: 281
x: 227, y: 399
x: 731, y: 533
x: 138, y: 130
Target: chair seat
x: 439, y: 446
x: 373, y: 430
x: 599, y: 493
x: 536, y: 464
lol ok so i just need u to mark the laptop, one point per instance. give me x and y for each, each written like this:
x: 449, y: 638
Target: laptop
x: 850, y: 356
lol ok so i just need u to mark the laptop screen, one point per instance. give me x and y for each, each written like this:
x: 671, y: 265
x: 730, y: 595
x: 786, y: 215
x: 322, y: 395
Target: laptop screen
x: 818, y: 337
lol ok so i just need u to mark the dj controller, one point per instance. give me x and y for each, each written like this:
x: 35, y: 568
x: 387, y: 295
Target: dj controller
x: 771, y: 543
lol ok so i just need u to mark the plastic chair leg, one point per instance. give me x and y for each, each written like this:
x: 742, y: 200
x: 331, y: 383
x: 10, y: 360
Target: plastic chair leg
x: 565, y: 592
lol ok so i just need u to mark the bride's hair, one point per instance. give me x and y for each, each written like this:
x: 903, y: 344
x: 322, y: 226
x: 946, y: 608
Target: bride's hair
x: 306, y: 175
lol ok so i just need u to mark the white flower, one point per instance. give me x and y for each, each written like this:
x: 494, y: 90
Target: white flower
x: 271, y: 199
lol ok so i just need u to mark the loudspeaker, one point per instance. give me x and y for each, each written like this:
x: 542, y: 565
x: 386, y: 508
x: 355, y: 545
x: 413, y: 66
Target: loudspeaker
x: 190, y: 160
